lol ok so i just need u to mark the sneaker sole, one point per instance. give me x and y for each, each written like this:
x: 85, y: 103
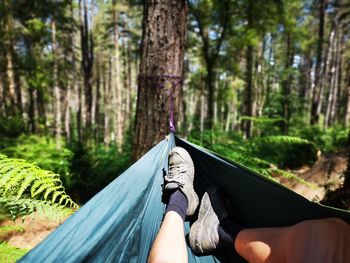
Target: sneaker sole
x: 200, y: 227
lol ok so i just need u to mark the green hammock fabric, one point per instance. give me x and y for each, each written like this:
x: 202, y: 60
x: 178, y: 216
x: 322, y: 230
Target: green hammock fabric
x: 120, y: 223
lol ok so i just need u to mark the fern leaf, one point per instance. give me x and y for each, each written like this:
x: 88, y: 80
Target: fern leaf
x: 283, y: 139
x: 10, y: 254
x: 26, y: 206
x: 20, y: 179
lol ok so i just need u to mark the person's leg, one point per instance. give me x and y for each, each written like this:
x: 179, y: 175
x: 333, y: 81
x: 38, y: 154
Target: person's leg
x: 170, y: 244
x: 323, y: 240
x: 262, y: 244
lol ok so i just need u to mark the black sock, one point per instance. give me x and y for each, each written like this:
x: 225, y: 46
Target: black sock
x: 228, y: 231
x: 178, y: 203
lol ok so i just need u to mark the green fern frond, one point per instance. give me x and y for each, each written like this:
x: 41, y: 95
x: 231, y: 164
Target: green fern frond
x: 10, y: 228
x: 10, y: 254
x: 282, y: 139
x: 18, y: 178
x: 261, y: 119
x: 293, y: 177
x: 25, y: 206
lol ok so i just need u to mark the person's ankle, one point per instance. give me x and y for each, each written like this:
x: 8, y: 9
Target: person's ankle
x: 177, y: 203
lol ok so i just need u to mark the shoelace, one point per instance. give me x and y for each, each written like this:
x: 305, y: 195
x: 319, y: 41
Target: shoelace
x: 176, y: 174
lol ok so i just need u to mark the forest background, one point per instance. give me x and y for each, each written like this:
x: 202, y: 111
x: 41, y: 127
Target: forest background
x: 265, y: 83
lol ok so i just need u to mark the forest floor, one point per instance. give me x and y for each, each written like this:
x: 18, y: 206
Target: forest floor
x: 326, y: 172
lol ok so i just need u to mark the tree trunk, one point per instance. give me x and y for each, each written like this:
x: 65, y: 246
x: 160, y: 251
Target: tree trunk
x: 56, y: 88
x: 248, y: 92
x: 316, y: 96
x: 286, y: 86
x: 2, y: 96
x: 333, y: 79
x: 259, y: 80
x: 129, y: 88
x: 346, y: 184
x: 41, y: 108
x: 126, y: 98
x: 9, y: 51
x: 161, y: 67
x: 117, y: 91
x: 67, y: 112
x: 31, y: 110
x: 97, y: 103
x: 337, y: 79
x: 107, y: 92
x: 347, y: 112
x: 18, y: 94
x: 87, y: 62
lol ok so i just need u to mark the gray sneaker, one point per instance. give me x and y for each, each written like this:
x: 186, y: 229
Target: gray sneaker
x: 204, y: 235
x: 180, y: 176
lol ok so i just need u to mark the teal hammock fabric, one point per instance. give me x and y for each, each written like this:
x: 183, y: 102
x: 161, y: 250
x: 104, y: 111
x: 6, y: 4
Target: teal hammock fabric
x: 120, y: 223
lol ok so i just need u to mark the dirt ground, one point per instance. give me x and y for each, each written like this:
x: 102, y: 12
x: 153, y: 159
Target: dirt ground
x: 326, y: 171
x: 35, y: 230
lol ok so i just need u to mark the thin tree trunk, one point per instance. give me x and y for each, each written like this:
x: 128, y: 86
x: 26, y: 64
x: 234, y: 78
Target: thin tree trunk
x: 337, y: 79
x: 248, y: 91
x: 9, y: 51
x: 260, y: 91
x: 129, y: 88
x: 347, y: 112
x: 333, y: 79
x: 18, y: 91
x: 107, y: 90
x: 125, y: 85
x: 97, y: 103
x: 11, y: 81
x: 286, y: 85
x: 87, y: 62
x: 163, y: 42
x: 41, y: 108
x: 66, y: 111
x: 57, y: 92
x: 326, y: 73
x: 31, y: 110
x: 2, y: 97
x: 202, y: 113
x: 316, y: 96
x: 117, y: 91
x: 346, y: 183
x: 271, y: 66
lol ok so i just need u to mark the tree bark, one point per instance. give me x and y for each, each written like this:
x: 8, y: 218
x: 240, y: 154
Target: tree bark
x: 9, y: 51
x: 56, y: 88
x: 346, y: 183
x: 2, y: 96
x: 97, y: 103
x: 248, y: 98
x: 316, y: 96
x: 87, y: 62
x: 117, y: 91
x: 347, y: 112
x: 31, y: 110
x: 161, y: 67
x: 107, y: 92
x: 286, y: 85
x: 247, y: 109
x: 333, y: 79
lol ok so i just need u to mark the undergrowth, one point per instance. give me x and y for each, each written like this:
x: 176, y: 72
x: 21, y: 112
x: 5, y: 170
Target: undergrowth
x: 256, y: 153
